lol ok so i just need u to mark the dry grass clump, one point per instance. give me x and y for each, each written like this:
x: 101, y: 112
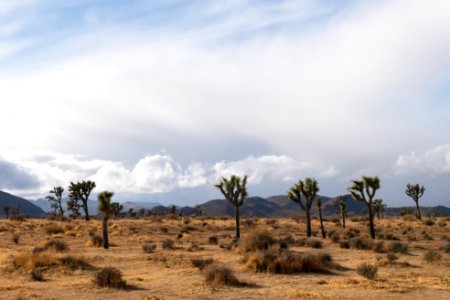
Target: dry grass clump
x: 96, y: 240
x: 446, y: 247
x: 258, y: 240
x: 201, y: 263
x: 148, y: 247
x: 213, y: 240
x: 217, y: 275
x: 168, y: 244
x: 429, y: 222
x: 109, y: 277
x: 30, y: 261
x: 53, y: 229
x: 398, y: 247
x: 288, y: 262
x: 15, y: 238
x: 367, y: 270
x: 431, y: 256
x: 360, y: 243
x: 37, y: 274
x: 56, y: 245
x: 344, y: 244
x: 379, y: 247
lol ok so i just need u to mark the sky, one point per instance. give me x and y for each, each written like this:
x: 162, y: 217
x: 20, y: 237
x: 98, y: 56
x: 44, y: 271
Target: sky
x: 157, y: 100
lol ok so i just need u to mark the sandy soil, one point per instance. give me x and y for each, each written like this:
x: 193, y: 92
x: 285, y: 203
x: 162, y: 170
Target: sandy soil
x: 169, y: 274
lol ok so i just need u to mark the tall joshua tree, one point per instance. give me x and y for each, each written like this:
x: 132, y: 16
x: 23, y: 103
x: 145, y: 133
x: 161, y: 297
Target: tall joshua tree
x: 319, y: 206
x: 342, y: 209
x: 308, y: 189
x: 81, y: 191
x: 234, y: 190
x: 364, y: 190
x: 104, y: 207
x: 415, y: 191
x: 55, y: 199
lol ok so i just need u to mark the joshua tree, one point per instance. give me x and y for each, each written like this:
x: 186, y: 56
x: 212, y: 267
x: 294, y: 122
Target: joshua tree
x: 74, y: 207
x: 171, y: 209
x: 308, y: 189
x: 104, y: 206
x: 16, y: 211
x: 141, y: 212
x: 342, y: 209
x: 319, y: 206
x: 116, y: 209
x: 234, y: 190
x: 6, y: 210
x: 55, y: 199
x: 378, y: 207
x: 415, y: 191
x: 80, y: 191
x: 197, y: 210
x: 364, y: 190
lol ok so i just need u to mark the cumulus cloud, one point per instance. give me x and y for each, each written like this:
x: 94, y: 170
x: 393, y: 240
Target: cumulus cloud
x: 433, y: 162
x: 270, y: 167
x: 158, y: 173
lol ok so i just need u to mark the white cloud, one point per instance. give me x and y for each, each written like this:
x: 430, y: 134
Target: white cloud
x: 158, y: 173
x: 432, y: 162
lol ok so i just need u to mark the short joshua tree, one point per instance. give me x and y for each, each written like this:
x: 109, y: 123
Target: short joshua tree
x: 234, y: 190
x: 415, y: 191
x: 55, y: 199
x: 364, y: 190
x: 104, y: 207
x: 342, y: 209
x: 308, y: 189
x: 319, y: 207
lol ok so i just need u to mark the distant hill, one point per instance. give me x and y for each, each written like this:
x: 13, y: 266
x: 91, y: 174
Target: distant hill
x: 27, y: 208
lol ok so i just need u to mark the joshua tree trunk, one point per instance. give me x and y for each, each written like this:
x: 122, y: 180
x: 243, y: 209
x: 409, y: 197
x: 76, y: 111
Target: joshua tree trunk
x: 105, y: 233
x: 238, y: 231
x: 86, y: 211
x: 372, y: 227
x: 321, y: 222
x: 343, y: 219
x: 308, y: 223
x: 419, y: 216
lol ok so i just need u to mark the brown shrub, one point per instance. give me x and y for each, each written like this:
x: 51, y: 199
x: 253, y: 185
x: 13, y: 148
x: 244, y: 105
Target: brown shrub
x: 37, y: 274
x: 201, y: 263
x: 431, y: 256
x: 96, y: 240
x: 217, y: 275
x: 109, y: 277
x: 360, y: 243
x: 366, y: 270
x: 53, y: 229
x: 258, y: 240
x: 378, y: 246
x: 149, y: 247
x: 398, y: 247
x: 15, y: 238
x: 213, y: 240
x: 56, y: 245
x: 168, y: 244
x: 288, y: 262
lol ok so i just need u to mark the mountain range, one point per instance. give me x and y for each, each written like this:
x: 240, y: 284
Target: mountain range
x: 275, y: 206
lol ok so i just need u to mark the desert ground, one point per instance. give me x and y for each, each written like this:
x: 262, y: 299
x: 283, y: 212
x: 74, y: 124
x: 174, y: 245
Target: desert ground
x: 44, y: 259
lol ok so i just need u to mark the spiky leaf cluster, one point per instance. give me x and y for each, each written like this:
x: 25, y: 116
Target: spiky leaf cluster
x: 104, y: 203
x: 414, y: 191
x: 233, y: 189
x: 365, y: 189
x: 308, y: 189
